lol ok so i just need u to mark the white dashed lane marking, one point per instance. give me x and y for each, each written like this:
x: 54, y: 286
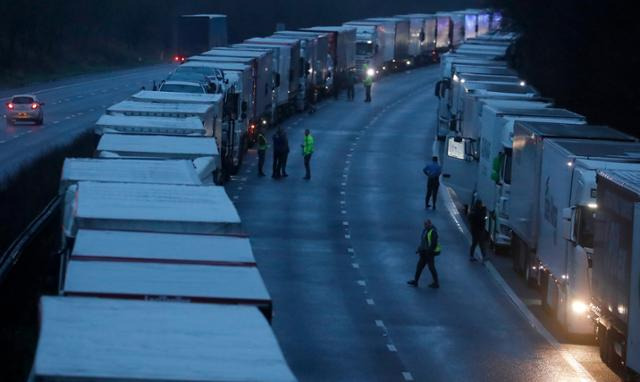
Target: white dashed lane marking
x: 407, y: 376
x: 370, y: 301
x: 392, y: 348
x: 355, y: 265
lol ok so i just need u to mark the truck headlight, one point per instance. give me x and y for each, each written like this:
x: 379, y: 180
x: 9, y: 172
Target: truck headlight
x: 579, y: 307
x: 371, y: 72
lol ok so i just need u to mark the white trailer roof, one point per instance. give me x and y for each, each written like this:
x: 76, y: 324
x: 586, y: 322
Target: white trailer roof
x: 155, y: 208
x: 163, y: 247
x: 178, y: 110
x: 180, y: 282
x: 176, y: 97
x: 90, y: 339
x: 150, y: 125
x: 162, y: 146
x: 133, y: 171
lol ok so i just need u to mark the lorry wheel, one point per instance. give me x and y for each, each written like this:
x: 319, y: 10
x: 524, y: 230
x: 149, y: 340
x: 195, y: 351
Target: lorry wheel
x: 601, y: 337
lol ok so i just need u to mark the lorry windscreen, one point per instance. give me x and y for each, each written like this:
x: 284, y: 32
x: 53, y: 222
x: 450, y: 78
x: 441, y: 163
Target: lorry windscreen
x: 364, y: 48
x: 586, y: 218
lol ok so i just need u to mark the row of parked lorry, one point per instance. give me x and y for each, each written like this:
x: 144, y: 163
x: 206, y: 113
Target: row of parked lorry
x: 263, y: 80
x: 560, y: 193
x: 157, y: 279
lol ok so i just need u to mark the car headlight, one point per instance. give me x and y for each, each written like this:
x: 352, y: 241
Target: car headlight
x: 579, y: 307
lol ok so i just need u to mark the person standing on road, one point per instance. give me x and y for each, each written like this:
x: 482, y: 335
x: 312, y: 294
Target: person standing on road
x: 285, y: 152
x: 351, y: 83
x: 367, y: 82
x: 476, y: 226
x: 277, y: 153
x: 307, y: 151
x: 262, y: 151
x: 428, y: 249
x: 432, y: 171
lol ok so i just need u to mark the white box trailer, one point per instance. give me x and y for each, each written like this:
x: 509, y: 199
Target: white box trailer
x: 567, y: 218
x: 524, y: 205
x: 401, y: 37
x: 281, y: 67
x: 422, y: 35
x: 484, y: 23
x: 176, y: 282
x: 320, y: 65
x: 443, y: 32
x: 92, y: 245
x: 100, y: 340
x: 615, y: 295
x: 449, y: 60
x: 75, y: 170
x: 463, y: 172
x: 308, y: 52
x: 208, y: 114
x: 494, y: 51
x: 151, y: 208
x: 342, y: 46
x: 496, y: 21
x: 290, y: 57
x: 171, y: 97
x: 456, y: 27
x: 495, y: 70
x: 120, y: 124
x: 262, y: 63
x: 470, y: 23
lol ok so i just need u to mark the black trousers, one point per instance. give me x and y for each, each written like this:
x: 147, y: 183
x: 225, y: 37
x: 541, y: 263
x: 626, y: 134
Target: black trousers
x: 476, y: 240
x: 276, y: 164
x: 261, y: 155
x: 432, y: 192
x: 426, y: 259
x: 367, y: 90
x: 351, y: 92
x: 283, y: 163
x: 307, y: 165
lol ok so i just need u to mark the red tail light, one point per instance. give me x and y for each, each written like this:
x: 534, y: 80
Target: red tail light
x: 34, y: 106
x: 10, y: 106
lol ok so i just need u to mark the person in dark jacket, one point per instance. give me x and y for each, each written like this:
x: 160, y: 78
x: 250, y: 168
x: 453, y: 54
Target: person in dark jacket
x: 432, y: 171
x: 428, y: 249
x: 284, y: 154
x: 262, y: 150
x: 277, y: 151
x: 476, y: 226
x: 351, y: 84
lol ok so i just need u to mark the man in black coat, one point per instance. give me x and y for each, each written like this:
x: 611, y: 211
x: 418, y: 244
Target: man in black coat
x: 476, y: 226
x: 284, y: 154
x: 277, y: 150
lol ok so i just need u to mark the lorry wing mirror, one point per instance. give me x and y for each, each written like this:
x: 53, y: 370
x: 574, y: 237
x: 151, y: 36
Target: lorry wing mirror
x: 438, y: 89
x: 567, y: 224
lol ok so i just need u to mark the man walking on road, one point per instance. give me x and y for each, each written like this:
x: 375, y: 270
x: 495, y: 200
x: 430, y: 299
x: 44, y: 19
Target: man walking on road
x: 428, y: 249
x: 262, y: 151
x: 351, y: 83
x: 307, y: 151
x: 432, y: 171
x: 476, y: 226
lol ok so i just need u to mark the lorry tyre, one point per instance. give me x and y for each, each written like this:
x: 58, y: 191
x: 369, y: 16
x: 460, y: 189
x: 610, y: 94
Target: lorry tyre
x: 601, y: 336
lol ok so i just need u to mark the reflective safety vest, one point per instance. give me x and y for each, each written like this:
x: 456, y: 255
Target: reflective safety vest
x: 307, y: 147
x: 262, y: 142
x: 438, y: 247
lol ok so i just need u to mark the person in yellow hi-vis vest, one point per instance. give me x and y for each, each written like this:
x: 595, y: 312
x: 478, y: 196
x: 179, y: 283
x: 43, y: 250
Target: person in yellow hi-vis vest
x: 367, y: 81
x: 307, y: 150
x: 428, y: 249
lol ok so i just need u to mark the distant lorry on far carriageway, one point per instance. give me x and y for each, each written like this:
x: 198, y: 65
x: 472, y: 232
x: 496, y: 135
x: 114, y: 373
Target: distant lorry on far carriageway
x: 198, y: 33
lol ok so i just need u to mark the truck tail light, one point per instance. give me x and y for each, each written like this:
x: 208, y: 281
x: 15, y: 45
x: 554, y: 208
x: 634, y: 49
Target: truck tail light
x: 10, y: 106
x: 34, y: 106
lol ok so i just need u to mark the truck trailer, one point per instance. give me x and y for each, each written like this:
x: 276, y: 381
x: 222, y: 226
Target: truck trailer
x: 121, y: 124
x: 198, y: 33
x: 615, y: 283
x: 400, y: 28
x: 103, y: 339
x: 422, y: 37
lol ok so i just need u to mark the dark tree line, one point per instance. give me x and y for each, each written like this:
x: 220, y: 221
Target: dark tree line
x: 581, y: 53
x: 59, y: 36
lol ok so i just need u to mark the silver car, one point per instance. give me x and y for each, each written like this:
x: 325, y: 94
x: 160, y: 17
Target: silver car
x: 24, y: 107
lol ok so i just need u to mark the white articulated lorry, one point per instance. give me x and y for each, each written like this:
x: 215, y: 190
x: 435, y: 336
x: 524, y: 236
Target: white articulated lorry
x: 615, y: 275
x: 456, y: 28
x: 537, y: 207
x: 567, y: 223
x: 400, y: 28
x: 106, y: 340
x: 464, y: 149
x: 374, y: 45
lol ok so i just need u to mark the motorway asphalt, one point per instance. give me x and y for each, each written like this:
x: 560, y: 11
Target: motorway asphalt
x: 71, y: 105
x: 336, y: 252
